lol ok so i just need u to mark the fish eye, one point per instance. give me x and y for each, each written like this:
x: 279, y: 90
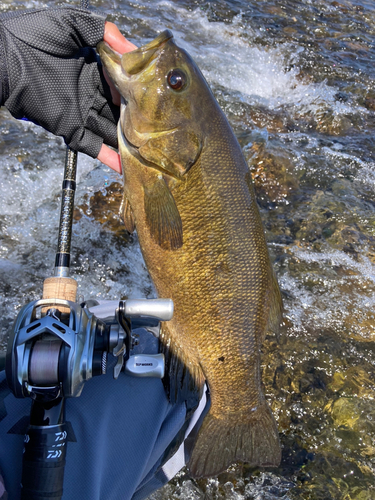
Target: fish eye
x: 176, y: 79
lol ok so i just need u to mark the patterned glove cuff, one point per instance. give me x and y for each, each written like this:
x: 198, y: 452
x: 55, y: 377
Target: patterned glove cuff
x: 4, y: 79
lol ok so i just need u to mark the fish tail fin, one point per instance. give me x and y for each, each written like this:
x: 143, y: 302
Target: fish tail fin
x: 221, y: 442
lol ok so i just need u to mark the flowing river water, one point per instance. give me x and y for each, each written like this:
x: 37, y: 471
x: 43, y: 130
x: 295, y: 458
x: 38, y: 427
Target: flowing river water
x: 297, y: 82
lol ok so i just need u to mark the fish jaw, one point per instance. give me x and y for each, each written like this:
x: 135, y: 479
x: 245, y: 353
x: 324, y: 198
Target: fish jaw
x: 116, y: 64
x: 138, y: 60
x: 125, y: 67
x: 112, y: 63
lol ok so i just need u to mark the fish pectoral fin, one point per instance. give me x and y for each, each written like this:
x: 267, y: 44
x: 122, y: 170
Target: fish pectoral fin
x: 126, y: 214
x: 175, y: 152
x: 162, y: 215
x: 185, y: 380
x: 228, y: 438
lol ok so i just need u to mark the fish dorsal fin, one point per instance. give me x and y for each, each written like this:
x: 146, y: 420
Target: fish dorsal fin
x: 275, y: 303
x: 175, y: 152
x: 162, y: 215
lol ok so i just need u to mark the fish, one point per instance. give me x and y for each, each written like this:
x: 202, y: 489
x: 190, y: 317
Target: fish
x: 188, y: 192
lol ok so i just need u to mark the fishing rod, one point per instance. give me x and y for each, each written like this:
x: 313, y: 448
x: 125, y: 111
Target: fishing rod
x: 56, y: 345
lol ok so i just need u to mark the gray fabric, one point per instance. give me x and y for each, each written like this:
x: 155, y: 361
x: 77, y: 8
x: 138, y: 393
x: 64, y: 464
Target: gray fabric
x: 158, y: 476
x: 52, y: 76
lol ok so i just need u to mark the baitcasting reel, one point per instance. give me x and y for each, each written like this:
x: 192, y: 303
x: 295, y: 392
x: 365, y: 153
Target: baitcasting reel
x: 55, y: 346
x: 51, y: 354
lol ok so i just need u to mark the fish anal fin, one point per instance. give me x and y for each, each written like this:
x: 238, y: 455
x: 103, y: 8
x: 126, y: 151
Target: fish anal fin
x: 223, y: 441
x: 174, y: 152
x: 184, y: 379
x: 162, y: 215
x: 126, y: 214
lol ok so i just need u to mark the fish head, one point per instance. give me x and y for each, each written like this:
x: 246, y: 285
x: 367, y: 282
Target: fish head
x: 166, y: 102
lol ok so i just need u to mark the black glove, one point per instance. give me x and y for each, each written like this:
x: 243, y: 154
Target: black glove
x: 51, y: 76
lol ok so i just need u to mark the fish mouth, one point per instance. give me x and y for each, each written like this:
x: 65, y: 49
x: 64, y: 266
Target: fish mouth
x: 136, y: 61
x: 110, y: 57
x: 121, y: 67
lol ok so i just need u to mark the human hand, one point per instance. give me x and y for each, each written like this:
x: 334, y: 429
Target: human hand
x: 52, y: 76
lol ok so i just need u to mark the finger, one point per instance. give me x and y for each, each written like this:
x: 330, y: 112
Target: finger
x: 110, y: 158
x: 103, y: 127
x: 108, y: 111
x: 116, y: 40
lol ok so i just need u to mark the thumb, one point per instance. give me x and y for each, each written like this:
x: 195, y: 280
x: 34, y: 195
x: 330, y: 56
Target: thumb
x: 116, y: 40
x: 120, y: 44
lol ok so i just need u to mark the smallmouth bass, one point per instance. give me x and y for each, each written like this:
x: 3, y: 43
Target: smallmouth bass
x: 188, y: 192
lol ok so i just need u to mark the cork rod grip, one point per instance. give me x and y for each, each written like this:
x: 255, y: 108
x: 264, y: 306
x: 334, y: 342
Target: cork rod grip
x: 60, y: 288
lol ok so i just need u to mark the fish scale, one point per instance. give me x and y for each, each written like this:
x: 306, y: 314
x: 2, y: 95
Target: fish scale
x: 200, y: 232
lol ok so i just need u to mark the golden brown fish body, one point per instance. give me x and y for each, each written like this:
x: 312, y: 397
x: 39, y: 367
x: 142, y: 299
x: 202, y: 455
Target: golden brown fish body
x: 189, y: 195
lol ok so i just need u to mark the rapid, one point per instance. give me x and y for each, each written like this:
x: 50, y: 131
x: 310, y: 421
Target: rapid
x: 296, y: 80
